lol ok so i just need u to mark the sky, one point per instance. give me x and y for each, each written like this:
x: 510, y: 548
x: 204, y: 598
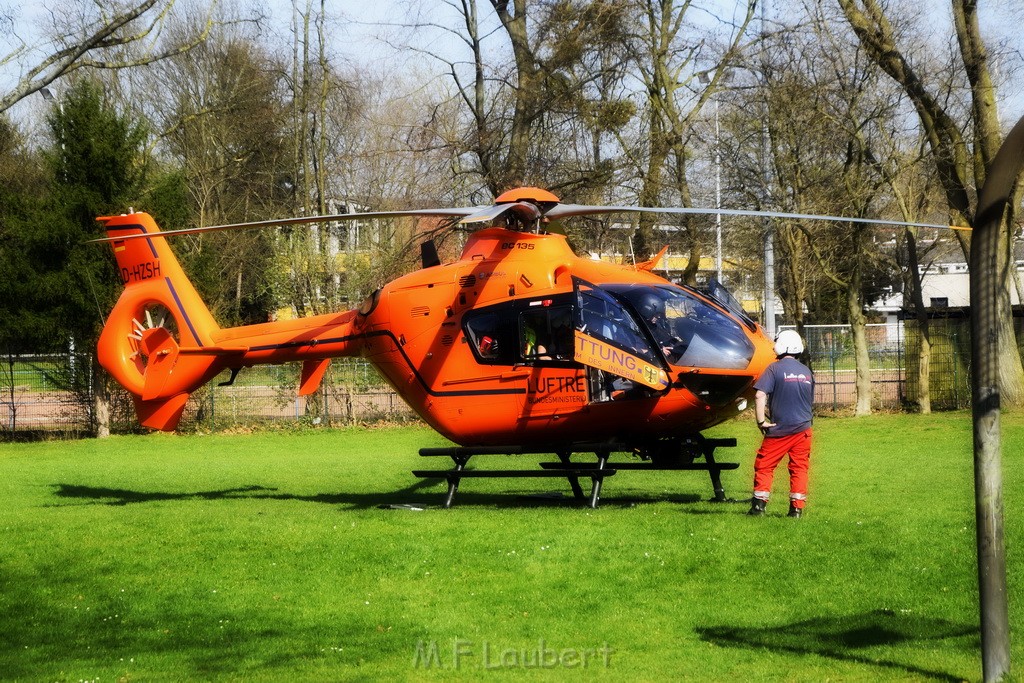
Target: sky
x: 364, y: 21
x: 361, y: 34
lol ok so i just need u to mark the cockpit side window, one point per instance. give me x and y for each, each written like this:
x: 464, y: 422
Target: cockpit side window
x: 603, y: 317
x: 719, y: 293
x: 690, y: 331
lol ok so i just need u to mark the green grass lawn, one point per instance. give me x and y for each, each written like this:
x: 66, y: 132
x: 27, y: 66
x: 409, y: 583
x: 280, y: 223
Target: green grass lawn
x: 269, y: 556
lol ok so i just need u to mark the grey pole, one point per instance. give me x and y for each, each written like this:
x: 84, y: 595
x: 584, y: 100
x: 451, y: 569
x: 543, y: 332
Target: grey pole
x: 718, y: 197
x: 769, y: 235
x: 705, y: 78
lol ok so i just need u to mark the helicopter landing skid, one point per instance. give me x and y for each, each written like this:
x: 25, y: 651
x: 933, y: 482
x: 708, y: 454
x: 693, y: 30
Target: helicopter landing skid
x: 569, y: 470
x: 574, y: 471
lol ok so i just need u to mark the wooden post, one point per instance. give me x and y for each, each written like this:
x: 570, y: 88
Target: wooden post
x: 988, y: 275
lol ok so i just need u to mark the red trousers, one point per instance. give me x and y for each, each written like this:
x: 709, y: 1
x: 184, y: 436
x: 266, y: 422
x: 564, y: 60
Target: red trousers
x: 773, y: 449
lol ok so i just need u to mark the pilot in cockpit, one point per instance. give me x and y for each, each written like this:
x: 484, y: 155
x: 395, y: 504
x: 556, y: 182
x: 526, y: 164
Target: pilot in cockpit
x: 652, y: 309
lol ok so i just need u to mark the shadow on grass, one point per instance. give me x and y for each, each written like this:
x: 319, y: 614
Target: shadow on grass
x: 413, y: 495
x: 848, y: 639
x: 46, y: 638
x: 101, y: 495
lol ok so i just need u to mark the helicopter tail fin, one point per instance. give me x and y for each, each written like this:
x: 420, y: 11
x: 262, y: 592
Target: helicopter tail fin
x: 653, y: 263
x: 157, y: 341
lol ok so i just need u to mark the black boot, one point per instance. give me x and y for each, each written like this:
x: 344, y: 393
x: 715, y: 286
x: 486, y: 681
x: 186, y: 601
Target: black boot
x: 794, y: 511
x: 757, y: 507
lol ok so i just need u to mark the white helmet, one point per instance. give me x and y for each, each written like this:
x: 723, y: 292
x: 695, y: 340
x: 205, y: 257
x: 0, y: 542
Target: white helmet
x: 788, y: 342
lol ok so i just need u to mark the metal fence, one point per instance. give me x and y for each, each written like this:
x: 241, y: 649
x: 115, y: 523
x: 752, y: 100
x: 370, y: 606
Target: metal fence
x: 893, y: 354
x: 334, y: 404
x: 34, y: 394
x: 53, y: 394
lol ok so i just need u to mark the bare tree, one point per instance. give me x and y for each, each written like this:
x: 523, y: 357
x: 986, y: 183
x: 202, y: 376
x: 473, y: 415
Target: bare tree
x: 824, y: 108
x: 97, y: 36
x: 667, y: 49
x: 962, y: 158
x: 913, y: 194
x: 223, y: 124
x: 539, y: 83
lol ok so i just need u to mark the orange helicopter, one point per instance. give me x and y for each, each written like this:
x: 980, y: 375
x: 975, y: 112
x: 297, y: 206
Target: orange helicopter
x: 519, y: 346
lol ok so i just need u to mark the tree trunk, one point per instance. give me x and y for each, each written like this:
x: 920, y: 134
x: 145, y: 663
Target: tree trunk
x: 100, y: 402
x: 924, y: 361
x: 1011, y: 368
x: 101, y: 407
x: 525, y: 108
x: 860, y: 347
x: 794, y: 293
x: 650, y: 189
x: 924, y: 400
x: 689, y: 275
x: 1011, y: 371
x: 238, y: 294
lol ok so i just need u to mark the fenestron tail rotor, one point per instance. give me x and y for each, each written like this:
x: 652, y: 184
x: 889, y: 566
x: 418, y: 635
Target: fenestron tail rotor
x: 139, y: 328
x: 156, y: 327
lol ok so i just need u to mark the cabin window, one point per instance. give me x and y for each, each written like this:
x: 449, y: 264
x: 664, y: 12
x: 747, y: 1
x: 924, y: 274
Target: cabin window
x: 490, y: 335
x: 524, y: 331
x: 545, y: 332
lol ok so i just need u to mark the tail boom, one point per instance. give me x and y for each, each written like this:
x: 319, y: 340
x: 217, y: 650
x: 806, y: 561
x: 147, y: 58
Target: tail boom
x: 161, y: 343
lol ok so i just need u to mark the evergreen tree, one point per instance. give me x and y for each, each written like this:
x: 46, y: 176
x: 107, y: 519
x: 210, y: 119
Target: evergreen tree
x: 21, y: 185
x: 96, y: 168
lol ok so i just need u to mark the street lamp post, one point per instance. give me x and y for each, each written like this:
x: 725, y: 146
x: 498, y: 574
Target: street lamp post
x: 705, y: 78
x: 769, y: 237
x: 718, y: 198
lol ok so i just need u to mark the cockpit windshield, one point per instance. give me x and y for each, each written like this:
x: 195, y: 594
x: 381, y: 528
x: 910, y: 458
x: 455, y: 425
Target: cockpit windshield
x: 689, y: 331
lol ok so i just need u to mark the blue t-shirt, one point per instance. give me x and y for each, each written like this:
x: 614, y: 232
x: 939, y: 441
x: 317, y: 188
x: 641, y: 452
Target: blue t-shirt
x: 790, y: 388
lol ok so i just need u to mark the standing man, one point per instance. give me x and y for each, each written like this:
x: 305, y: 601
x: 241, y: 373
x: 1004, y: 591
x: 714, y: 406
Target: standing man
x: 782, y: 407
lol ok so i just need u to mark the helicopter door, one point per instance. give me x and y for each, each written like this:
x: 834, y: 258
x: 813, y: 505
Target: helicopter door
x: 620, y: 360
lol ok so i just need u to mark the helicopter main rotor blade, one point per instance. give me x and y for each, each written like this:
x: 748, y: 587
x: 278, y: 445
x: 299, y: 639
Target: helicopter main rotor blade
x: 523, y: 210
x: 566, y: 210
x: 278, y: 222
